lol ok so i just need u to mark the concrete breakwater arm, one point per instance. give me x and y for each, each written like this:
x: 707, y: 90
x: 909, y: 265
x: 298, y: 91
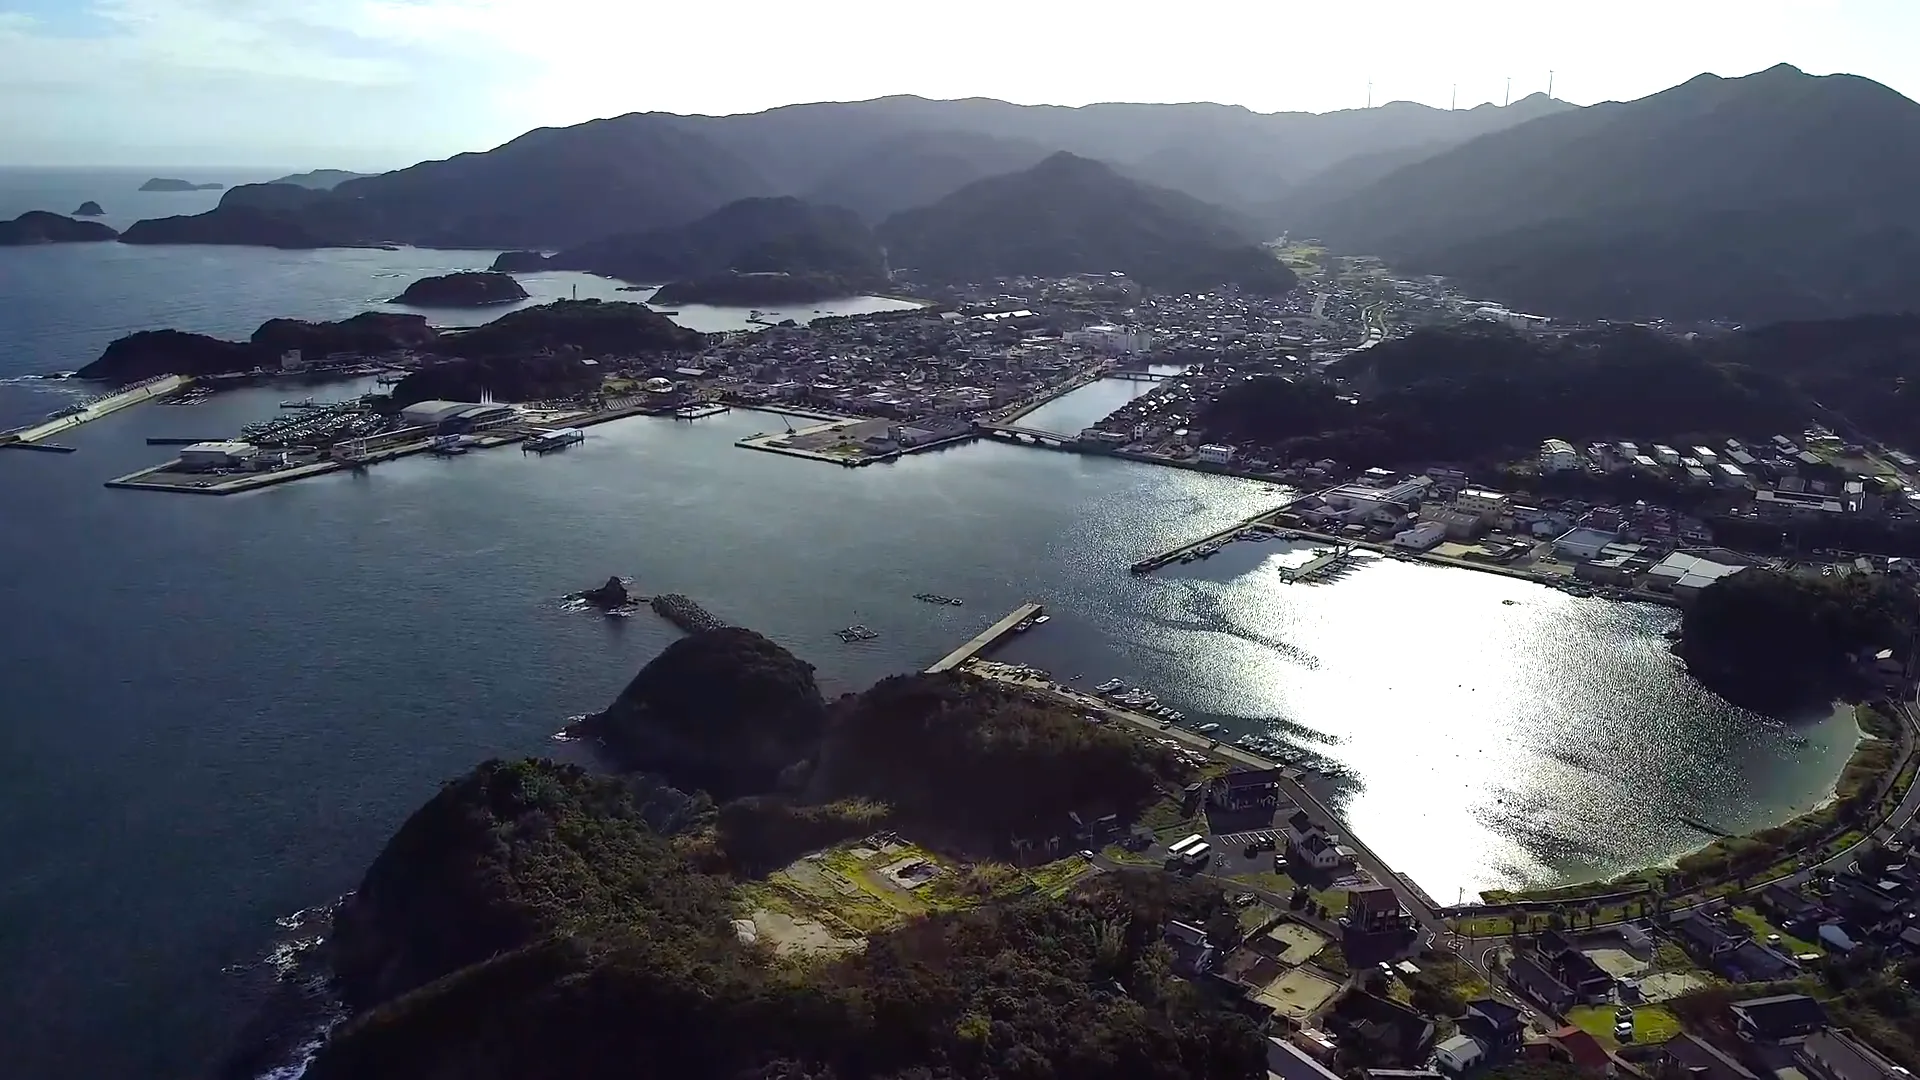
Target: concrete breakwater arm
x: 685, y: 614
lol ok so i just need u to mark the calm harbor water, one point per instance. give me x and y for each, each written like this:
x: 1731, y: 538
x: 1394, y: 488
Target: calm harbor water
x: 220, y: 708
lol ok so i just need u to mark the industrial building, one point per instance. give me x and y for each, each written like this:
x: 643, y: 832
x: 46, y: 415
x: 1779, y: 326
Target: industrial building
x: 455, y: 416
x: 207, y: 456
x: 1484, y: 504
x: 1686, y: 573
x: 1215, y: 453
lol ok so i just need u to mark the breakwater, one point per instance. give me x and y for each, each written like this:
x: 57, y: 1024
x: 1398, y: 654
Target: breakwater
x: 685, y: 614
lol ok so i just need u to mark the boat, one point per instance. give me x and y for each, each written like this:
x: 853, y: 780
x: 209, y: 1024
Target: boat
x: 307, y: 403
x: 1041, y: 620
x: 1109, y: 686
x: 1023, y: 626
x: 856, y: 632
x: 555, y: 439
x: 1207, y: 729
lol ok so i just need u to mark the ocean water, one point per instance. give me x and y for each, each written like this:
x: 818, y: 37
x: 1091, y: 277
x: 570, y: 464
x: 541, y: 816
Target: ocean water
x: 218, y: 709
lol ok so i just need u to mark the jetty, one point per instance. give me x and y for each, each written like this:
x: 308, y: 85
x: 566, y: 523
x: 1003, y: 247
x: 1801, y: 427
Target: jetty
x: 987, y: 638
x: 1325, y: 560
x: 146, y: 390
x: 685, y: 614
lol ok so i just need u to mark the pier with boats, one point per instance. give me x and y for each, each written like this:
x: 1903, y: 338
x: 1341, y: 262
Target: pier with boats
x: 1020, y: 619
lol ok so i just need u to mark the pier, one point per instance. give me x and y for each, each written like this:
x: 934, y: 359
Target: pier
x: 987, y: 638
x: 1317, y: 565
x: 1264, y: 517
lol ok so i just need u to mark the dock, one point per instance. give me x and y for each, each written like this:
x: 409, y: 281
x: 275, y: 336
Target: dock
x: 987, y: 638
x: 1317, y: 565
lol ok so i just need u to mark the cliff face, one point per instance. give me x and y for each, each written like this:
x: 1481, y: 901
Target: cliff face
x: 724, y: 710
x: 464, y: 289
x: 41, y: 227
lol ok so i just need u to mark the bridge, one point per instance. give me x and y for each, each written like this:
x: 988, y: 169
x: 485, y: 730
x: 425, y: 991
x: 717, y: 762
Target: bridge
x: 1014, y: 431
x: 1139, y: 376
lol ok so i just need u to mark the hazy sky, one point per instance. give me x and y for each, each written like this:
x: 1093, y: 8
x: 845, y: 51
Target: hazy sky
x: 371, y: 84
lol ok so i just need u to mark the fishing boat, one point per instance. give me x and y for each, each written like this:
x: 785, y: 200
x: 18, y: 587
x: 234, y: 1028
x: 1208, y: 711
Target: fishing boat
x: 1207, y: 729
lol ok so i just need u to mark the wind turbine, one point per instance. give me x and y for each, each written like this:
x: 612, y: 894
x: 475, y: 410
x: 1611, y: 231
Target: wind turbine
x: 1508, y: 100
x: 1549, y: 84
x: 1369, y: 93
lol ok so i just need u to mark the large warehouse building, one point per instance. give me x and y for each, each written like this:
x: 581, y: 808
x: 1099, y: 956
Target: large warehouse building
x: 454, y: 416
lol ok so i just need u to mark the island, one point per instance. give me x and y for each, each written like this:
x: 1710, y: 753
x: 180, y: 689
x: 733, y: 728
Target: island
x: 164, y: 183
x: 521, y: 350
x: 520, y: 262
x: 596, y: 925
x: 89, y: 209
x: 42, y: 227
x: 467, y: 288
x: 755, y: 290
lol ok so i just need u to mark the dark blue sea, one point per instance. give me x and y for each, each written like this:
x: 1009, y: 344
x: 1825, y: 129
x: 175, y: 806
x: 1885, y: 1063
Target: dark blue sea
x: 216, y: 710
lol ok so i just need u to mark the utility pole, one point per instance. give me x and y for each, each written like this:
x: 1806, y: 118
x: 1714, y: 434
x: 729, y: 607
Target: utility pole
x: 1508, y: 100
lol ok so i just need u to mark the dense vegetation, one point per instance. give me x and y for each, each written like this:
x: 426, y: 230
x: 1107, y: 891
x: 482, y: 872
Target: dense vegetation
x: 751, y: 236
x: 593, y: 327
x: 1069, y: 215
x: 1778, y: 195
x: 920, y: 168
x: 1046, y: 988
x: 508, y: 855
x: 468, y: 288
x: 1473, y: 394
x: 726, y: 711
x: 1771, y: 639
x: 235, y: 225
x: 41, y: 227
x: 980, y: 760
x: 160, y: 352
x: 1487, y: 394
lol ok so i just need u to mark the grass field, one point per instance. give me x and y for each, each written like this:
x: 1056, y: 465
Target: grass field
x: 1651, y: 1023
x: 1758, y: 923
x: 856, y: 889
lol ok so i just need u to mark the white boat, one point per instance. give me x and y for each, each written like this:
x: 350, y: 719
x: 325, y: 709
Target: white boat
x: 1207, y: 729
x: 555, y: 439
x: 1039, y: 620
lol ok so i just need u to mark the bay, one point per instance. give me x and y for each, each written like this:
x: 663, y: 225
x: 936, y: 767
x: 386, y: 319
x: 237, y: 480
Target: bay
x: 218, y: 709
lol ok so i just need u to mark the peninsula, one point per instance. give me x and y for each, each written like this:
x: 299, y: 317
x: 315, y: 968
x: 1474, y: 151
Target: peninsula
x: 164, y: 183
x: 755, y: 290
x: 563, y: 900
x: 467, y: 288
x: 41, y: 227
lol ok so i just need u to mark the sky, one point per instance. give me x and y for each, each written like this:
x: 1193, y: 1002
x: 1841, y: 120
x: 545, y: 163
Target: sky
x: 377, y: 84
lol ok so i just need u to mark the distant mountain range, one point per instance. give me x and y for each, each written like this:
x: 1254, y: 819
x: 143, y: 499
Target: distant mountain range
x: 1070, y: 215
x: 559, y: 188
x: 1779, y: 195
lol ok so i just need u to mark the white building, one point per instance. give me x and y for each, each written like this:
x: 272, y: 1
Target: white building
x: 1483, y: 503
x: 1666, y: 455
x: 1582, y: 545
x: 1357, y: 502
x: 1557, y: 455
x: 1107, y: 338
x: 1686, y: 573
x: 1459, y: 1054
x: 1422, y: 537
x: 217, y: 455
x: 1214, y: 453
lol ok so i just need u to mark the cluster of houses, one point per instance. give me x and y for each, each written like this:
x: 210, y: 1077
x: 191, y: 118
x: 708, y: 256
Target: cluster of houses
x: 1784, y: 476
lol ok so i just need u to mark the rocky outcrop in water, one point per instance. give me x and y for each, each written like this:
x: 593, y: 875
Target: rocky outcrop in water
x: 612, y: 596
x: 89, y: 209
